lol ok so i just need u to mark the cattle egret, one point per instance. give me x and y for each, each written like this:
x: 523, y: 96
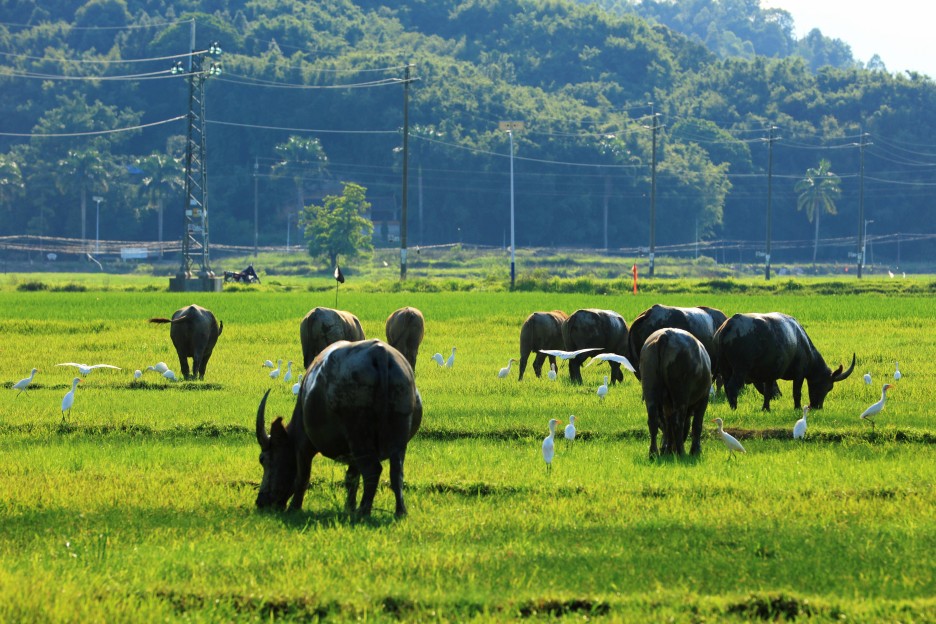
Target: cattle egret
x: 877, y: 407
x: 288, y: 376
x: 170, y: 376
x: 570, y: 429
x: 611, y: 357
x: 799, y: 429
x: 603, y: 388
x: 567, y: 355
x: 552, y: 372
x: 23, y: 383
x: 84, y: 369
x: 867, y: 378
x: 297, y: 385
x: 268, y: 364
x: 549, y: 448
x: 890, y: 274
x: 438, y: 359
x: 69, y: 397
x: 137, y: 373
x: 276, y: 371
x: 159, y: 367
x: 897, y: 374
x: 506, y: 370
x: 450, y: 362
x: 728, y: 439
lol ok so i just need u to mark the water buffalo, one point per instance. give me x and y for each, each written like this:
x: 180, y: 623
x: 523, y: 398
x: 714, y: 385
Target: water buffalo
x: 359, y: 406
x: 405, y: 329
x: 194, y: 333
x: 595, y: 328
x: 323, y: 326
x: 701, y: 322
x: 541, y: 330
x: 677, y: 375
x: 762, y: 348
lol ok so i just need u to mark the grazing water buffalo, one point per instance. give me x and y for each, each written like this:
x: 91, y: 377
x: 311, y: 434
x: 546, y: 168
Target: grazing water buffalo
x: 541, y: 330
x: 701, y: 322
x: 595, y: 328
x: 405, y: 330
x: 762, y: 348
x: 194, y: 332
x: 677, y: 375
x: 359, y: 406
x: 323, y: 326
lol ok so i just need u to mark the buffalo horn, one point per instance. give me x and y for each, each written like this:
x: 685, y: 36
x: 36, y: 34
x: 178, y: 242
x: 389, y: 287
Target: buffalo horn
x: 262, y: 436
x: 839, y: 376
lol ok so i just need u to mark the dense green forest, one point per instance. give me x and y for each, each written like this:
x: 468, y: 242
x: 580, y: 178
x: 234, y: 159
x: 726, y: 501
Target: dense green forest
x: 311, y: 95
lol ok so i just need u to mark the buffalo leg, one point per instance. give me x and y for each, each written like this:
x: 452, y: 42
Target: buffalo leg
x: 698, y: 415
x: 352, y: 479
x: 653, y: 421
x: 303, y: 470
x: 524, y: 356
x: 538, y: 364
x: 370, y: 469
x: 732, y: 387
x: 396, y: 481
x: 183, y: 366
x: 797, y: 392
x: 616, y: 374
x: 575, y: 369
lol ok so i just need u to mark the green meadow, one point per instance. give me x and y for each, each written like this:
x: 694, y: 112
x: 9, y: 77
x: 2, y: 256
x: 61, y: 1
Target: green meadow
x: 140, y: 506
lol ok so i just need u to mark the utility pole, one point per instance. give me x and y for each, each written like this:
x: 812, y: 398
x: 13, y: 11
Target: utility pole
x: 256, y: 203
x: 403, y: 212
x: 771, y: 137
x: 862, y: 224
x: 653, y: 163
x: 509, y: 127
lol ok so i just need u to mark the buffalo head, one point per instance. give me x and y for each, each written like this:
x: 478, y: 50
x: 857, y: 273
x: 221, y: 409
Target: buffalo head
x: 278, y: 458
x: 820, y: 387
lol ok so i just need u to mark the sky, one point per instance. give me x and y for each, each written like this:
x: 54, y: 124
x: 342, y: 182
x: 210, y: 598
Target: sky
x: 901, y: 32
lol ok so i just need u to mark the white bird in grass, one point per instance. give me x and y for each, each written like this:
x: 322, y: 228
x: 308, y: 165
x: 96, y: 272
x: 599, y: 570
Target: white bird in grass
x: 276, y: 371
x: 159, y: 367
x: 450, y: 362
x: 288, y: 376
x: 730, y: 441
x: 603, y: 388
x: 268, y: 364
x: 506, y: 370
x: 84, y: 369
x: 897, y: 374
x: 69, y: 399
x: 867, y: 378
x: 611, y: 357
x: 438, y: 359
x: 549, y: 447
x: 23, y: 383
x: 569, y: 431
x: 567, y: 355
x: 799, y: 429
x: 297, y: 385
x: 552, y: 372
x: 170, y: 375
x: 137, y: 373
x: 877, y: 407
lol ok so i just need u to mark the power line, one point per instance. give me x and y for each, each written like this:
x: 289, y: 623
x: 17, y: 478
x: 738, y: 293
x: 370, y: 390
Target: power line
x: 92, y: 132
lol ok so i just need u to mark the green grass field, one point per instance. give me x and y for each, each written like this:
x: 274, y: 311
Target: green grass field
x: 140, y: 507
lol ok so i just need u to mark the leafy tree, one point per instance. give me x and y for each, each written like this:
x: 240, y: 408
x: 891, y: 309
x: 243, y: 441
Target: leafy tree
x: 817, y: 194
x: 297, y: 157
x: 340, y: 225
x: 11, y: 181
x: 82, y: 171
x: 162, y: 177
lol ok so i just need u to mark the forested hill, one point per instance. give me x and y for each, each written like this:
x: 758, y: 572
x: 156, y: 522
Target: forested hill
x: 311, y: 94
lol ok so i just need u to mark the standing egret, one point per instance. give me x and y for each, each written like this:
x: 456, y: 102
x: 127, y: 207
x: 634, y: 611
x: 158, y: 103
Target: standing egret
x: 570, y: 429
x: 567, y: 355
x: 897, y: 374
x: 611, y: 357
x: 23, y: 383
x: 552, y: 372
x: 799, y: 429
x: 549, y: 448
x: 450, y: 362
x: 603, y: 388
x: 84, y: 369
x: 730, y: 441
x: 137, y: 373
x: 276, y: 371
x: 170, y: 375
x: 877, y: 407
x: 506, y: 370
x: 69, y: 397
x: 438, y: 359
x: 297, y: 385
x: 867, y: 378
x: 288, y: 376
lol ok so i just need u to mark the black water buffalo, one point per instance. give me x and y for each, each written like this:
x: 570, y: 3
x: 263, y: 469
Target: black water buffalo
x: 541, y: 330
x: 323, y: 326
x: 405, y: 329
x: 701, y: 322
x: 359, y: 406
x: 762, y: 348
x: 677, y: 375
x: 194, y: 333
x: 595, y: 328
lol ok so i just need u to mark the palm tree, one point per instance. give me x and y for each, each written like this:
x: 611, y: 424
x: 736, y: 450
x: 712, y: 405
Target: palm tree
x: 82, y: 171
x: 817, y: 194
x: 162, y: 177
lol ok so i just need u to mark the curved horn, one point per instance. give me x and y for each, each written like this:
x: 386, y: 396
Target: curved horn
x: 262, y: 436
x: 839, y: 376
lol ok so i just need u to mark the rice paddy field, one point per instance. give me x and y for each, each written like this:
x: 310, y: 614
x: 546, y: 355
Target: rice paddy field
x: 139, y: 507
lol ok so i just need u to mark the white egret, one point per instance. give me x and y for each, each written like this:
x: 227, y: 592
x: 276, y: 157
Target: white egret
x: 603, y: 388
x: 730, y: 441
x: 567, y: 355
x: 84, y: 369
x: 69, y: 399
x: 297, y: 385
x: 268, y: 364
x: 611, y: 357
x: 877, y: 407
x: 570, y: 429
x: 867, y: 378
x: 170, y: 375
x: 897, y: 374
x: 799, y: 429
x: 450, y: 362
x: 23, y: 383
x: 276, y: 371
x: 506, y: 370
x: 137, y: 373
x: 159, y: 367
x: 890, y: 274
x: 438, y: 359
x: 552, y: 372
x: 549, y: 448
x: 288, y: 376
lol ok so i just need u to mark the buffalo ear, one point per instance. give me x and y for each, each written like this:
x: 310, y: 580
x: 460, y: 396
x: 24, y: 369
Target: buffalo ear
x: 278, y: 433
